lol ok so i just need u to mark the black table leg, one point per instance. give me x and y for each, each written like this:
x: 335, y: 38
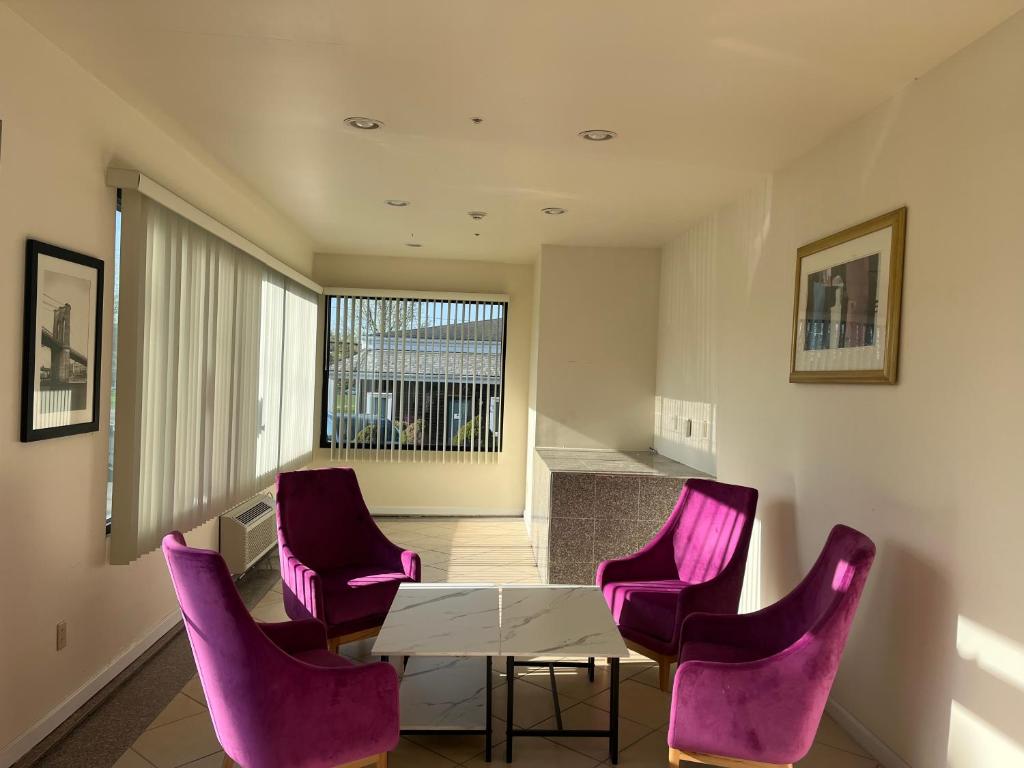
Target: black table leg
x: 590, y: 668
x: 510, y: 678
x: 487, y: 712
x: 613, y: 716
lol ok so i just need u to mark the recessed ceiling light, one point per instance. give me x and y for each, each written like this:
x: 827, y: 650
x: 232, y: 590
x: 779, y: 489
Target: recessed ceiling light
x: 553, y: 211
x: 477, y: 215
x: 597, y: 134
x: 397, y: 203
x: 364, y: 123
x: 415, y: 245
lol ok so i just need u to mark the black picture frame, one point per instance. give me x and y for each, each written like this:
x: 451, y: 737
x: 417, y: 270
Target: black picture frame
x: 76, y: 359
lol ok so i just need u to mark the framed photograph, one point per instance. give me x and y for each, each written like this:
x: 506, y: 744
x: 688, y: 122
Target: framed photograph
x: 846, y: 305
x: 60, y: 375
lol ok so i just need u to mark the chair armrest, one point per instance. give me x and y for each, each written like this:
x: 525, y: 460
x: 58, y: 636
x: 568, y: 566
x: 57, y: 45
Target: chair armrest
x: 335, y: 715
x: 769, y: 702
x: 640, y: 566
x: 411, y: 564
x: 296, y: 636
x: 303, y: 582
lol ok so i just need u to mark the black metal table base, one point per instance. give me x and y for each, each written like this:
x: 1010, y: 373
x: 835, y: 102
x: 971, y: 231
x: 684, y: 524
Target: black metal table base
x: 612, y: 732
x: 486, y: 731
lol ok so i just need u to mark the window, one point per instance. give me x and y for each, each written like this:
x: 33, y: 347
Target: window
x: 217, y: 372
x: 412, y: 375
x: 113, y: 359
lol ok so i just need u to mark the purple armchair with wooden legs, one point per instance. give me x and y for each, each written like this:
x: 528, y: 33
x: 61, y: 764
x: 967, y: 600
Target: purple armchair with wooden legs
x: 750, y: 689
x: 276, y: 695
x: 695, y: 563
x: 336, y: 564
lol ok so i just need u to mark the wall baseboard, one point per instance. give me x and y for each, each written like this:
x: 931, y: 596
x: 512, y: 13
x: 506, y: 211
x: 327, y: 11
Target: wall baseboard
x: 23, y: 744
x: 444, y: 512
x: 877, y: 748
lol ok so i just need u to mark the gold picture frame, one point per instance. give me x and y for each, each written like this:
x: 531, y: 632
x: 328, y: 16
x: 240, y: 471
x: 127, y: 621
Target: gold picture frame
x: 847, y: 304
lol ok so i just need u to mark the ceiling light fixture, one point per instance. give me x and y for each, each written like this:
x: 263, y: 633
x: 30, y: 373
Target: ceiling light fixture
x: 477, y: 215
x: 597, y: 134
x: 397, y: 203
x: 364, y: 123
x: 553, y: 211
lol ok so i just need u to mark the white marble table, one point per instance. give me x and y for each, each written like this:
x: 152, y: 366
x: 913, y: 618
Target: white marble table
x: 442, y: 620
x: 442, y: 695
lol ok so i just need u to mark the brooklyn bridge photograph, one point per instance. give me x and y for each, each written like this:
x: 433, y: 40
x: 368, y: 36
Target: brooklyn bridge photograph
x: 63, y: 290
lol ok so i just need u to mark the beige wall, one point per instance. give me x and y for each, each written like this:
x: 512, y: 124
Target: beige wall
x: 61, y: 129
x: 596, y: 347
x: 928, y: 468
x: 496, y: 485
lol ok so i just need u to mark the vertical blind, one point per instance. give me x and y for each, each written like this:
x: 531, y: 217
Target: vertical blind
x: 216, y: 361
x: 413, y: 379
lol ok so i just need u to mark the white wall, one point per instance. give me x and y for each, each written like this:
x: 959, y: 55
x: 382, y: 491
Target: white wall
x: 496, y: 484
x: 61, y: 129
x: 596, y: 347
x: 928, y: 468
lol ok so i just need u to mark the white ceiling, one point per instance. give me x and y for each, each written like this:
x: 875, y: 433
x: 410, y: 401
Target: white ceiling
x: 706, y: 95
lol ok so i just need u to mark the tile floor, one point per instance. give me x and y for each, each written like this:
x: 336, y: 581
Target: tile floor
x: 481, y: 550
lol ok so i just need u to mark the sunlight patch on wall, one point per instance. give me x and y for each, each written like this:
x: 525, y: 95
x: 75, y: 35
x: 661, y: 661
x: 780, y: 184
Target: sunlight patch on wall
x: 973, y: 742
x: 750, y: 597
x: 992, y: 652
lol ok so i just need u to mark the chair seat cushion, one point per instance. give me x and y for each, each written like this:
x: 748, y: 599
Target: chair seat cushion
x: 321, y: 657
x: 359, y: 592
x: 649, y: 607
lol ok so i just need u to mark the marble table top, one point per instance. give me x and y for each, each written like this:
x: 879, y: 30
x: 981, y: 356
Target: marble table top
x: 441, y: 620
x: 467, y: 620
x: 557, y: 620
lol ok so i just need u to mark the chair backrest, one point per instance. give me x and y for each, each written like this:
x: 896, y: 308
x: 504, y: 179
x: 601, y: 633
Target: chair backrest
x: 821, y: 608
x: 323, y: 519
x: 233, y: 656
x: 712, y: 520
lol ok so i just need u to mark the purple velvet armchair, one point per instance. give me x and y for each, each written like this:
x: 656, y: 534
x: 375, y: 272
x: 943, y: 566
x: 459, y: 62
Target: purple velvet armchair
x: 276, y: 695
x: 751, y: 689
x: 336, y: 564
x: 694, y: 564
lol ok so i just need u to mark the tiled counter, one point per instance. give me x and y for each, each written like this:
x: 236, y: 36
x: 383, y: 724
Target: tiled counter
x: 589, y: 506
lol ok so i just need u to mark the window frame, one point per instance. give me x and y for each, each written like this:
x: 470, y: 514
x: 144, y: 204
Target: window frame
x: 334, y: 293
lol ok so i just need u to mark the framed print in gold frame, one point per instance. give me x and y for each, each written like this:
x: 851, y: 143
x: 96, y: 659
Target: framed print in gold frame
x: 846, y: 304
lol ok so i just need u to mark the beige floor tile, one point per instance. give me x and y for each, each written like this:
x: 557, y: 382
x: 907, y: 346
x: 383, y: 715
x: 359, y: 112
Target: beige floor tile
x: 831, y: 734
x: 651, y: 750
x: 537, y: 753
x: 462, y: 748
x: 132, y: 759
x: 194, y: 690
x: 649, y: 676
x: 822, y: 756
x: 216, y: 760
x: 270, y: 608
x: 181, y: 706
x: 178, y: 743
x: 586, y: 716
x: 572, y: 682
x: 532, y: 705
x: 431, y: 573
x: 639, y: 703
x: 411, y: 755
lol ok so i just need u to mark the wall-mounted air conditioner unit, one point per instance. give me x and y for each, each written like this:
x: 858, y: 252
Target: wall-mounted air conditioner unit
x: 247, y: 532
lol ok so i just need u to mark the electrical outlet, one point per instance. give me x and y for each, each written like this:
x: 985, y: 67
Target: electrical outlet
x: 62, y: 635
x: 688, y: 427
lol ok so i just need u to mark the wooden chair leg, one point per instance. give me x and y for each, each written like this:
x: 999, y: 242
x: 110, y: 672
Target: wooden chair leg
x: 382, y: 760
x: 665, y: 674
x: 228, y: 762
x: 674, y: 757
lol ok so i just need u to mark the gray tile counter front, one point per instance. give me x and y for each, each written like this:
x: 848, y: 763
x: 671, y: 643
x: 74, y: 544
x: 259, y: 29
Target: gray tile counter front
x: 590, y: 506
